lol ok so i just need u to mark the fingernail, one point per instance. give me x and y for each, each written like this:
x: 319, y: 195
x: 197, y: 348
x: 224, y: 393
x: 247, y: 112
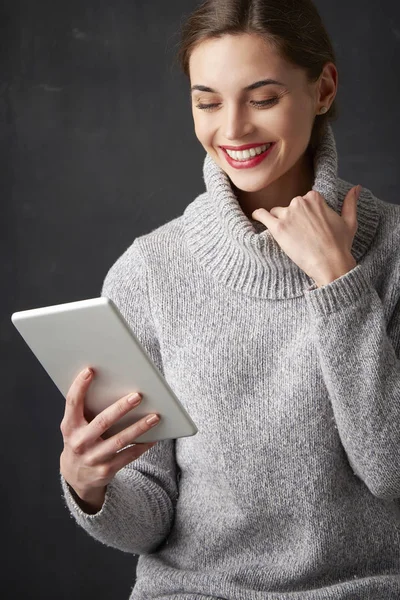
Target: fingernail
x: 134, y: 398
x: 153, y: 420
x: 358, y: 191
x: 87, y: 373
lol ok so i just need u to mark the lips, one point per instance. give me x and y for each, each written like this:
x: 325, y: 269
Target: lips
x: 250, y: 162
x: 245, y: 147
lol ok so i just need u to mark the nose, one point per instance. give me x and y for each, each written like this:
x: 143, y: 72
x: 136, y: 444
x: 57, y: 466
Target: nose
x: 236, y: 124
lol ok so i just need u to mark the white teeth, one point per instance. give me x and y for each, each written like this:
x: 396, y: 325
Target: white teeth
x: 246, y: 154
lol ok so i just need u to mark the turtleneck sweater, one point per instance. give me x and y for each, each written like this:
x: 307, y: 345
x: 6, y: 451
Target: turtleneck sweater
x: 290, y: 490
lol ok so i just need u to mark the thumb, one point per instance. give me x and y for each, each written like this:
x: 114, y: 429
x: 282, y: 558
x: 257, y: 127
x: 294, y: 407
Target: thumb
x: 264, y: 216
x: 349, y: 208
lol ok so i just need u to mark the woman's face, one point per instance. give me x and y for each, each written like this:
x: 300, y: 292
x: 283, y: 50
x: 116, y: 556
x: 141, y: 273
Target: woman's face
x: 285, y: 115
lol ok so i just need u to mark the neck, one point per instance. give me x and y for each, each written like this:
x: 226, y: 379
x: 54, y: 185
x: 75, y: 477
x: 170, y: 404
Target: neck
x: 295, y: 182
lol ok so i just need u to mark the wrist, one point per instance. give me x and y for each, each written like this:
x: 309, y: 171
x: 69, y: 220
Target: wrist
x: 338, y: 269
x: 90, y: 501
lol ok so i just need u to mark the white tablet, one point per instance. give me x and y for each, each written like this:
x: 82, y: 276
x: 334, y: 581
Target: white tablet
x: 66, y: 338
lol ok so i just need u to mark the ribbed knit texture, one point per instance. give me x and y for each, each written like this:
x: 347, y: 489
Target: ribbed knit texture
x: 291, y: 488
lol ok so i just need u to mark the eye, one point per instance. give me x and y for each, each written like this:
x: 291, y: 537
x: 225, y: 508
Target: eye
x: 259, y: 103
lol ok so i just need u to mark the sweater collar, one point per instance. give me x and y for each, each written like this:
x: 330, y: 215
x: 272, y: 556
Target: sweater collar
x: 241, y: 253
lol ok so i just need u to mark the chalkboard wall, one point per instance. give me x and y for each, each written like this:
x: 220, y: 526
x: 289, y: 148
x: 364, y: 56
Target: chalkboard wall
x: 98, y: 147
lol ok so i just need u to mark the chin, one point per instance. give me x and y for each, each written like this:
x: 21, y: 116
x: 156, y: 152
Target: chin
x: 250, y: 186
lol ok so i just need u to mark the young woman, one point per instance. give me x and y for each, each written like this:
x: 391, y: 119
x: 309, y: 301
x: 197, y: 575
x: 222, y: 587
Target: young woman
x: 272, y: 308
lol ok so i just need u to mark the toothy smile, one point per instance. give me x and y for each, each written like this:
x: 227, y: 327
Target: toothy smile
x: 246, y: 154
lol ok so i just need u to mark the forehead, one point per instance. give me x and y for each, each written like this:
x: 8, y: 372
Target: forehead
x: 233, y: 57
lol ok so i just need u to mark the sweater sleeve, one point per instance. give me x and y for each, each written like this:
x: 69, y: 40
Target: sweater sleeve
x: 359, y: 352
x: 139, y: 505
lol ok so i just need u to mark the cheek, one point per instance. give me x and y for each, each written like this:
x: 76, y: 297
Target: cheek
x: 202, y: 130
x: 293, y: 125
x: 205, y: 134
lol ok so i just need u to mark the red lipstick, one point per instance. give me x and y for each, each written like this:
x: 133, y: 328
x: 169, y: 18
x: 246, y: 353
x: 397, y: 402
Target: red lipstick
x: 249, y: 163
x: 245, y: 146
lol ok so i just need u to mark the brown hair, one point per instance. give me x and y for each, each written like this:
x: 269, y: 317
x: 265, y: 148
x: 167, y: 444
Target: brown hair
x: 293, y: 27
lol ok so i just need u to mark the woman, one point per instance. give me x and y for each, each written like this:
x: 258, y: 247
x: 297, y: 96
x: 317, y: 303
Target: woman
x: 272, y: 308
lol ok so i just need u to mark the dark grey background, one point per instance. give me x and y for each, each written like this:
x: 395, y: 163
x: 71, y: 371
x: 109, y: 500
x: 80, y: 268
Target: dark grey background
x: 98, y: 147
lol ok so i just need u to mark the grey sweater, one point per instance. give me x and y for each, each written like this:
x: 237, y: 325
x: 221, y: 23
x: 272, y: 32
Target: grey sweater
x: 291, y: 488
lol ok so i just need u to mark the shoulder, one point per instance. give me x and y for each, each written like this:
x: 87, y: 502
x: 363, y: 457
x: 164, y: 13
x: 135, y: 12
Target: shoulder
x: 159, y: 245
x: 163, y: 246
x: 155, y: 249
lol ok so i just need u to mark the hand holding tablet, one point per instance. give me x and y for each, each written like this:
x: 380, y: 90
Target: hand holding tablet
x: 88, y: 462
x: 99, y: 422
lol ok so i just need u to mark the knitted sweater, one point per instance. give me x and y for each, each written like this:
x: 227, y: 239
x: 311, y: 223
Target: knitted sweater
x: 290, y: 490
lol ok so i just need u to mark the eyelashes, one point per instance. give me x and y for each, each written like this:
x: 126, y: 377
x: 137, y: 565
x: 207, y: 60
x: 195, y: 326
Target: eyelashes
x: 258, y: 104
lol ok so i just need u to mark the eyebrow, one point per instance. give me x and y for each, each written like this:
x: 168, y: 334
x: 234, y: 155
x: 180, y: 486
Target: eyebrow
x: 252, y: 86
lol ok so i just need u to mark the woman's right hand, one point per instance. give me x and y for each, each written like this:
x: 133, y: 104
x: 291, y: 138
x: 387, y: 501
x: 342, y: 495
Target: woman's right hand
x: 88, y: 462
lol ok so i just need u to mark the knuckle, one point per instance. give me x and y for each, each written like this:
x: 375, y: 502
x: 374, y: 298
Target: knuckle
x: 314, y: 197
x: 67, y: 429
x: 90, y: 461
x: 119, y: 442
x: 103, y: 422
x: 77, y: 445
x: 104, y: 471
x: 71, y: 399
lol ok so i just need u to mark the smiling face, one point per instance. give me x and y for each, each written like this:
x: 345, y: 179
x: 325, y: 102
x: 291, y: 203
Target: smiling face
x: 282, y: 113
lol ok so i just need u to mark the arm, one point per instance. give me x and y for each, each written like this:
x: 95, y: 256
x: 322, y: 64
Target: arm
x: 359, y: 356
x: 138, y: 508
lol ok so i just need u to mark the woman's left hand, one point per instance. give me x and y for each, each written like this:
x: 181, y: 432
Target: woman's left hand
x: 313, y: 235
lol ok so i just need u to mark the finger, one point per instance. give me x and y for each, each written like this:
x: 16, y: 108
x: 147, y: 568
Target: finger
x: 349, y: 207
x: 127, y: 455
x: 278, y: 211
x: 74, y: 405
x: 265, y: 217
x: 108, y: 417
x: 118, y: 442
